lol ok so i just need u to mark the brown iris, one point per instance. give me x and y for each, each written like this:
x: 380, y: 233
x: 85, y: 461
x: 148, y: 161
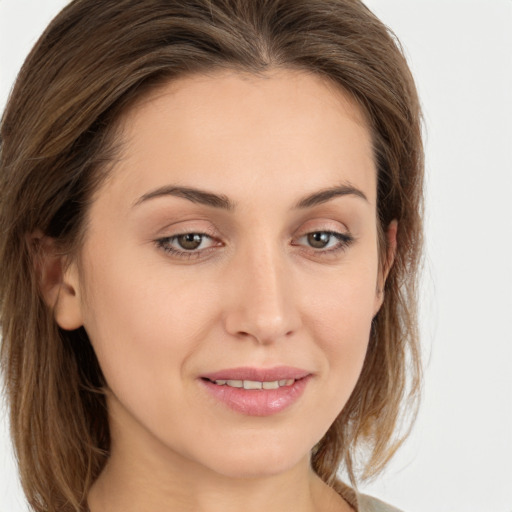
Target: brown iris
x: 319, y: 240
x: 190, y: 241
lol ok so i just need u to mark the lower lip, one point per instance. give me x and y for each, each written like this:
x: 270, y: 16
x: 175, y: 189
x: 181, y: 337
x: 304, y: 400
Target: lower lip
x: 257, y: 402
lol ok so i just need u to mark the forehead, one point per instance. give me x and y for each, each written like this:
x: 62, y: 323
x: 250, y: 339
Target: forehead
x: 279, y: 129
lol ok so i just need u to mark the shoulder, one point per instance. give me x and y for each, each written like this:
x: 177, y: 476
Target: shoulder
x: 368, y: 504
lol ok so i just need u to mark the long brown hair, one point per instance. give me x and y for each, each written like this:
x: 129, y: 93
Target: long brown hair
x: 57, y: 138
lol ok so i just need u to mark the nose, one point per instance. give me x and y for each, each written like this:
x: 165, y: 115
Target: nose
x: 263, y: 304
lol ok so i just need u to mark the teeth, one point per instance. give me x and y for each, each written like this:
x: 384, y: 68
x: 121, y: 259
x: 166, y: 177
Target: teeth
x: 254, y: 384
x: 235, y: 383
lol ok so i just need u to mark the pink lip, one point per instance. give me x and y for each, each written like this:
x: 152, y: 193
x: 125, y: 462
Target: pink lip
x: 264, y: 402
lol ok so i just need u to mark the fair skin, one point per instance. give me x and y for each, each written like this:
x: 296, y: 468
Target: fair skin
x: 272, y: 275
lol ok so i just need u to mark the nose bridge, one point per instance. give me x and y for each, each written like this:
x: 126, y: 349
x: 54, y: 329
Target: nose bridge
x: 263, y: 303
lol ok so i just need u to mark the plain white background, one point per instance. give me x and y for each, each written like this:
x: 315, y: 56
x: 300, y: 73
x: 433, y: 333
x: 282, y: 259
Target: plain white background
x: 459, y: 458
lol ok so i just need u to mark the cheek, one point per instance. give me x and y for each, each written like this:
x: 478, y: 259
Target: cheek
x: 339, y: 319
x: 143, y: 328
x: 146, y: 332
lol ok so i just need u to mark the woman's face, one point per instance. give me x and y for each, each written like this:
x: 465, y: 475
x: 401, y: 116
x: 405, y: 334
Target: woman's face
x: 235, y: 240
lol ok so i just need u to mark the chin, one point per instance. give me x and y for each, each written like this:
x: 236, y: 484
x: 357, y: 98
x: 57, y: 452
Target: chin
x: 258, y: 461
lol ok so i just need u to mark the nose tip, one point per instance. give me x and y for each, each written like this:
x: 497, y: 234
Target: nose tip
x: 263, y: 305
x: 264, y: 329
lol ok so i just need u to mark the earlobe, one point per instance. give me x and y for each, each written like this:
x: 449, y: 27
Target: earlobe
x: 58, y: 281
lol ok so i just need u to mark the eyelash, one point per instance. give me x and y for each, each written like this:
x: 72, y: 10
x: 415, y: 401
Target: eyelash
x: 344, y: 242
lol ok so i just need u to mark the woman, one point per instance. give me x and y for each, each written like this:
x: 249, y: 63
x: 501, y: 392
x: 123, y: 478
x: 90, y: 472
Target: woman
x: 211, y: 228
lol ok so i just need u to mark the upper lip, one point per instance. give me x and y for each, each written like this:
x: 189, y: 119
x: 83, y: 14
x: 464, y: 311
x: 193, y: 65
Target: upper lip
x: 258, y: 374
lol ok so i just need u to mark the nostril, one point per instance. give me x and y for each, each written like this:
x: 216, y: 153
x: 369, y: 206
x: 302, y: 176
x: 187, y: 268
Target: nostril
x: 264, y: 325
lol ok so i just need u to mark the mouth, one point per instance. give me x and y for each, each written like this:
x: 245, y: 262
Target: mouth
x: 257, y: 392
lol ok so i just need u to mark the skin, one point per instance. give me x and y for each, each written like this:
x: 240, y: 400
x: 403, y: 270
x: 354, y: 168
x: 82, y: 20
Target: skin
x: 254, y: 293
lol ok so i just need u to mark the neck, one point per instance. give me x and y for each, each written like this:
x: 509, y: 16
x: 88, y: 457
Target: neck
x: 142, y: 474
x: 143, y: 487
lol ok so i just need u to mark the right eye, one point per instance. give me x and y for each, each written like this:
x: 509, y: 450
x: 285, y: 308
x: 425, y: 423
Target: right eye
x: 186, y: 244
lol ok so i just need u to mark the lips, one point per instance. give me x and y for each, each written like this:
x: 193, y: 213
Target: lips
x: 257, y: 391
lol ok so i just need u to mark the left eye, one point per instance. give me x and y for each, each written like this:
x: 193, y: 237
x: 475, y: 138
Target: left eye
x: 325, y: 240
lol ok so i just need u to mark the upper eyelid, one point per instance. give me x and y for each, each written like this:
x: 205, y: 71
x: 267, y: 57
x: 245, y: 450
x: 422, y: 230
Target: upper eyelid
x: 322, y: 224
x: 215, y: 233
x: 175, y: 228
x: 180, y: 227
x: 216, y: 236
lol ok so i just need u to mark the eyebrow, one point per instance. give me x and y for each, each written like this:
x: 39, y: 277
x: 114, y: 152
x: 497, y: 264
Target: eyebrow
x: 192, y: 194
x: 223, y: 202
x: 330, y: 193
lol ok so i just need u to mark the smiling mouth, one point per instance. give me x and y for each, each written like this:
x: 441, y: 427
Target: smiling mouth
x: 257, y: 392
x: 254, y: 384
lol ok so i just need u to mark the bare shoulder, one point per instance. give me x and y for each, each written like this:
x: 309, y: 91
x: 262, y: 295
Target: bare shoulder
x: 369, y: 504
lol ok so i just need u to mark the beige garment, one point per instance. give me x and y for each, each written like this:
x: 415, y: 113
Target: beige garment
x: 368, y: 504
x: 362, y: 502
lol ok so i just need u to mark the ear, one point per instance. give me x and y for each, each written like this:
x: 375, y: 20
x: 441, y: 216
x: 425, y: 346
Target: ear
x: 58, y: 281
x: 385, y: 266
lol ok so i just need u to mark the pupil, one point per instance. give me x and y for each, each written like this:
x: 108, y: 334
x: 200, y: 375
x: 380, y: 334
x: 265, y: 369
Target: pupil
x: 190, y: 241
x: 318, y: 240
